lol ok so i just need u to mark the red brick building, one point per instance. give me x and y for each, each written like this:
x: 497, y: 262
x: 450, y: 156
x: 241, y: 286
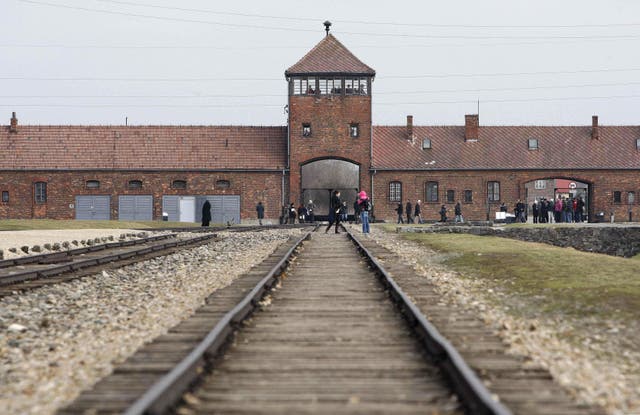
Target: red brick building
x: 141, y: 172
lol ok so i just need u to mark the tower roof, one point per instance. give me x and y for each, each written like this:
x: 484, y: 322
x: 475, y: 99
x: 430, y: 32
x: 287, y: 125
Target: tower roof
x: 329, y: 57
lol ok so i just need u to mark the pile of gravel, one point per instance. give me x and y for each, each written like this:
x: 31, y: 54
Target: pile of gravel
x: 58, y: 340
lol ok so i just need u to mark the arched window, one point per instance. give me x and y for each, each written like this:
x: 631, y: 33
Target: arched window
x: 92, y: 184
x: 179, y: 184
x: 135, y: 184
x: 223, y: 184
x: 395, y: 192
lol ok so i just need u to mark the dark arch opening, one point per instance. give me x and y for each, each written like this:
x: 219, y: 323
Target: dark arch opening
x: 320, y: 177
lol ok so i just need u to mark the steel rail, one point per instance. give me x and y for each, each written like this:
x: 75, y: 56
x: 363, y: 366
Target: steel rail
x: 167, y: 391
x: 469, y: 388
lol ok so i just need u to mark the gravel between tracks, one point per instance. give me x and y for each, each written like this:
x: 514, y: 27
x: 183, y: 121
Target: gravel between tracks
x: 598, y: 371
x: 58, y: 340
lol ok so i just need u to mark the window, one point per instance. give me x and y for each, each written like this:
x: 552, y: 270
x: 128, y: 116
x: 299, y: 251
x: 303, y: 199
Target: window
x: 493, y: 191
x: 92, y: 184
x: 354, y: 130
x: 356, y: 86
x: 617, y: 196
x: 179, y: 184
x: 306, y: 130
x: 135, y: 184
x: 223, y: 184
x: 330, y: 86
x: 395, y: 192
x: 451, y: 196
x: 426, y: 143
x: 540, y: 184
x: 533, y: 144
x: 304, y: 86
x: 631, y: 198
x: 5, y: 196
x: 637, y: 143
x: 431, y: 192
x: 40, y: 191
x: 468, y: 196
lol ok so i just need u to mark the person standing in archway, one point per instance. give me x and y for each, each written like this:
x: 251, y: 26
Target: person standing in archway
x: 206, y: 213
x: 334, y: 211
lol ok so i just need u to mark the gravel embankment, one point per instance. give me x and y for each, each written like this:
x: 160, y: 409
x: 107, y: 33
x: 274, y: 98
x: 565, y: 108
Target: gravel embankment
x: 58, y: 340
x: 600, y: 370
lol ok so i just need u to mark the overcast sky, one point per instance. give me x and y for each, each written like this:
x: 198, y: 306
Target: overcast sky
x: 201, y: 62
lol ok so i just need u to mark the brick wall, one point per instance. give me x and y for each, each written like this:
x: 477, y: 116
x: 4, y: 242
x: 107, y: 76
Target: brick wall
x: 63, y: 187
x: 602, y: 184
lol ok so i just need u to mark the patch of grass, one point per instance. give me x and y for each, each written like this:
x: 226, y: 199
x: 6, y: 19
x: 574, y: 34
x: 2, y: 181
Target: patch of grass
x: 29, y: 224
x: 542, y: 277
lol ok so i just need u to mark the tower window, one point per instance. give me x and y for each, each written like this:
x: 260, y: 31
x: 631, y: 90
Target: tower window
x: 617, y: 196
x: 354, y: 130
x: 5, y: 196
x: 306, y: 130
x: 356, y: 86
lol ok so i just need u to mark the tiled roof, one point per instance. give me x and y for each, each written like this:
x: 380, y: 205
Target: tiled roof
x: 507, y: 148
x: 329, y: 57
x: 149, y: 148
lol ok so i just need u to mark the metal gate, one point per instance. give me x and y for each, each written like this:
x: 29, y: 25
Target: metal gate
x: 224, y: 208
x: 135, y: 207
x: 93, y: 207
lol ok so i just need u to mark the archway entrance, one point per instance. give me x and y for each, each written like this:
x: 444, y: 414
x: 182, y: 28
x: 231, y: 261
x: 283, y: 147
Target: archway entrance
x: 568, y: 190
x: 321, y: 177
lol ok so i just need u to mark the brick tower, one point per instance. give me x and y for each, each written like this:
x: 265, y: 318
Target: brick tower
x: 329, y: 124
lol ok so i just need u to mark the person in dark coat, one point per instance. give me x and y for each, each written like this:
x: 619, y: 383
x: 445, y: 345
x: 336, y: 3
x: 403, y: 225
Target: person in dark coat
x: 260, y: 212
x: 206, y: 213
x: 443, y: 214
x: 409, y: 211
x: 534, y: 210
x: 334, y: 211
x: 416, y: 212
x: 292, y: 214
x: 400, y: 211
x: 356, y: 211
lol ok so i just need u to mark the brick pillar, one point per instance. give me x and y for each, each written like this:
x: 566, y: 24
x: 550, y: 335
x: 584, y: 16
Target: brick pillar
x: 14, y: 123
x: 595, y: 130
x: 471, y: 126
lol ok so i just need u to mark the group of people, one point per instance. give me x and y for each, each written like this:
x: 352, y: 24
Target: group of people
x: 303, y: 214
x: 413, y: 213
x: 561, y: 210
x: 337, y: 212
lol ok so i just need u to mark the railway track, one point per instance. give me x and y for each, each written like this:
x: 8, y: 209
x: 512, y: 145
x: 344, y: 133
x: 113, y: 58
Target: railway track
x: 330, y: 339
x: 28, y: 272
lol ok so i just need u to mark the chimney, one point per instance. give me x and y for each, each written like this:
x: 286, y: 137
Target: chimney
x: 409, y: 127
x: 471, y: 122
x: 595, y: 131
x: 13, y: 128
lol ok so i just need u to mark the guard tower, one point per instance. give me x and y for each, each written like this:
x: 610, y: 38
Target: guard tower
x: 329, y: 124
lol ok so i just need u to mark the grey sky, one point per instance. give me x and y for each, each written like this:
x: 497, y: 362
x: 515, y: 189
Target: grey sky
x: 224, y: 62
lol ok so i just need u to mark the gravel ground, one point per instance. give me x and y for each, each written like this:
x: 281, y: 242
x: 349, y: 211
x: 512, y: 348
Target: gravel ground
x: 18, y: 239
x: 600, y: 369
x: 58, y: 340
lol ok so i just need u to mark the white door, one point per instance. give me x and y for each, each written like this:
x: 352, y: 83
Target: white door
x: 188, y: 209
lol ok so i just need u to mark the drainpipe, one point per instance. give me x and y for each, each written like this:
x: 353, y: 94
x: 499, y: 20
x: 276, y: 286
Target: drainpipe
x: 282, y: 191
x: 373, y: 205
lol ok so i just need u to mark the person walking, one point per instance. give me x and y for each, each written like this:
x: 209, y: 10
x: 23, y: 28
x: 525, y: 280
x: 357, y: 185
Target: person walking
x: 399, y: 211
x: 260, y: 212
x: 356, y: 210
x: 534, y: 210
x: 416, y: 212
x: 334, y: 211
x: 206, y: 213
x: 292, y: 214
x: 443, y: 214
x: 302, y: 213
x: 311, y: 207
x: 364, y: 206
x: 457, y: 210
x: 409, y: 212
